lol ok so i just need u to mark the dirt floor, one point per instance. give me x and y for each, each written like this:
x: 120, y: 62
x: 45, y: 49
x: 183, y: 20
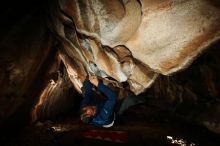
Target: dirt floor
x: 147, y: 128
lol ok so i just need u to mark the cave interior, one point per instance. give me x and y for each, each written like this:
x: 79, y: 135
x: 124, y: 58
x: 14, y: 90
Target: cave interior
x: 41, y: 69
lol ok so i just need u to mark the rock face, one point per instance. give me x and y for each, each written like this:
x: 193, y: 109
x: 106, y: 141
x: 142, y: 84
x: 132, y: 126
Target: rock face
x: 193, y: 94
x: 133, y: 41
x: 24, y: 50
x: 129, y: 44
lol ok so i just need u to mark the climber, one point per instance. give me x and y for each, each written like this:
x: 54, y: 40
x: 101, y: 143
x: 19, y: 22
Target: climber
x: 97, y: 110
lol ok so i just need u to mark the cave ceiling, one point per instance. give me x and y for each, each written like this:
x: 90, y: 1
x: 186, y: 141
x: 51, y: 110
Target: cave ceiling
x: 132, y: 41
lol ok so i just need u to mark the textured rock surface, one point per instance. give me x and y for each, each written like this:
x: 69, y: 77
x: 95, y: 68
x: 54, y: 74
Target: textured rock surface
x: 134, y: 41
x: 193, y: 94
x: 24, y: 52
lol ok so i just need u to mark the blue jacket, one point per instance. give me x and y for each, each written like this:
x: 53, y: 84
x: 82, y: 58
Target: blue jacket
x: 104, y: 108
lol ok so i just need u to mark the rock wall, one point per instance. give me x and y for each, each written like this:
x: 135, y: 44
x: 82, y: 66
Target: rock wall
x: 24, y: 50
x: 193, y: 94
x: 133, y: 41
